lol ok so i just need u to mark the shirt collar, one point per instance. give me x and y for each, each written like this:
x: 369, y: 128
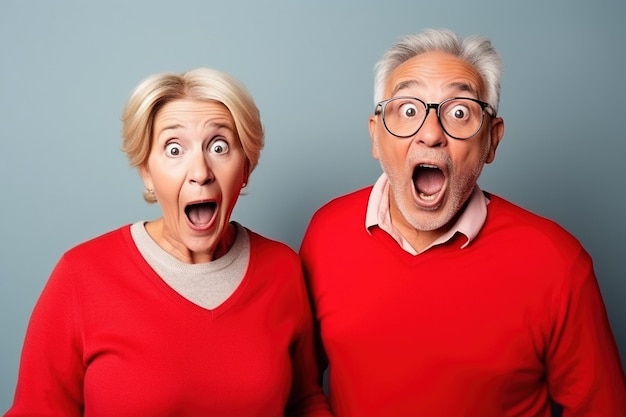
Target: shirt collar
x: 469, y: 222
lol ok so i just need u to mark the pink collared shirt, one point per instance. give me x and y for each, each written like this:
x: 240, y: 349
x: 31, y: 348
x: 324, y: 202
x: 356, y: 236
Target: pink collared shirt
x: 469, y: 222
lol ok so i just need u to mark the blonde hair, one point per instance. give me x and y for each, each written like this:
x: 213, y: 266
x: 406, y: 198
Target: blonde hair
x: 203, y: 84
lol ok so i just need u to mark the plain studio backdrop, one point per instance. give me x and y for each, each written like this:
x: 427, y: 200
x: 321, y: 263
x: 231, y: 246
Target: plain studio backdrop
x: 67, y: 67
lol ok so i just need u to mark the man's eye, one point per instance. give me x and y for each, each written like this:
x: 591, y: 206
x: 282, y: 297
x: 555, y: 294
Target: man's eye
x: 408, y: 110
x: 219, y: 146
x: 173, y: 149
x: 459, y: 112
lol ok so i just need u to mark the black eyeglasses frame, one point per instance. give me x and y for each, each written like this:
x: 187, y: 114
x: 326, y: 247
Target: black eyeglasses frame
x: 381, y: 105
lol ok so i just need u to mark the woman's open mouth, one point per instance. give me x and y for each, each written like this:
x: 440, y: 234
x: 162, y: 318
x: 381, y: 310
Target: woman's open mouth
x: 200, y: 214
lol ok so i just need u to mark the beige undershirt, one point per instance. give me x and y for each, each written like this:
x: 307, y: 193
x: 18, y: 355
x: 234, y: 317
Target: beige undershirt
x: 206, y: 284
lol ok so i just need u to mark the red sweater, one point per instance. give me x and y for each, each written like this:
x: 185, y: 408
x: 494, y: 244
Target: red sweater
x: 109, y: 338
x: 492, y: 330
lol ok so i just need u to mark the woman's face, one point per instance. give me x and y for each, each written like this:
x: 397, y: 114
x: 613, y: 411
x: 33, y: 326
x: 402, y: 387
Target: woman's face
x: 196, y: 168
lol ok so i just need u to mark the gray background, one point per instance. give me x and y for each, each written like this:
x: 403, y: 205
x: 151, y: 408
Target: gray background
x: 66, y: 68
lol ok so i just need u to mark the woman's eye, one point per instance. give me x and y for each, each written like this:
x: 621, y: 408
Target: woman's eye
x: 219, y: 146
x: 173, y: 149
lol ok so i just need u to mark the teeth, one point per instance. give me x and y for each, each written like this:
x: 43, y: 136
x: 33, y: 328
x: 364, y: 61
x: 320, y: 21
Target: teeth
x: 423, y: 196
x: 428, y: 166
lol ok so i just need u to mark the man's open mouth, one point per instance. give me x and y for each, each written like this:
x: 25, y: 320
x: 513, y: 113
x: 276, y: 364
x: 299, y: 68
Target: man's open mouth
x: 200, y: 214
x: 428, y: 181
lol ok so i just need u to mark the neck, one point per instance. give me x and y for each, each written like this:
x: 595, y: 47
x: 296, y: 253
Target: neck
x: 177, y: 248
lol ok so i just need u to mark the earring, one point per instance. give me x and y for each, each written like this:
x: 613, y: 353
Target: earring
x: 150, y: 190
x: 244, y: 185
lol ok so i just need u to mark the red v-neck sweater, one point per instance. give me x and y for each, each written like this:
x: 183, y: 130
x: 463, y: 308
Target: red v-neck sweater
x: 109, y: 338
x: 491, y: 330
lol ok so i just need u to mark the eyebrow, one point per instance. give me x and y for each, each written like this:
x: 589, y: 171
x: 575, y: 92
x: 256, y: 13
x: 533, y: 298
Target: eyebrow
x: 458, y: 85
x: 462, y: 86
x: 170, y: 127
x: 404, y: 85
x: 219, y: 124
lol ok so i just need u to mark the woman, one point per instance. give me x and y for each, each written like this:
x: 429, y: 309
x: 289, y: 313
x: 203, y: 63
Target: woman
x: 190, y: 314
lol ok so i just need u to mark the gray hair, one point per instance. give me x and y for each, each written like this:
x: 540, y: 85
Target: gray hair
x: 477, y: 51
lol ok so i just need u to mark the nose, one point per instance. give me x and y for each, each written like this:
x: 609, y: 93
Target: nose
x: 431, y: 133
x: 200, y: 171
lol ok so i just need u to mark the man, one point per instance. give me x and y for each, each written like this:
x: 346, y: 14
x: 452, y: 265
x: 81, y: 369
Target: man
x: 435, y: 298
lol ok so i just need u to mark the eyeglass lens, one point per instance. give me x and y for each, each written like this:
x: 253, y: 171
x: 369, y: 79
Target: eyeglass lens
x: 460, y: 118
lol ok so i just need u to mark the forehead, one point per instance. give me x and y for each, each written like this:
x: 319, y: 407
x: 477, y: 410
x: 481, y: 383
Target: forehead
x: 434, y: 71
x: 189, y: 111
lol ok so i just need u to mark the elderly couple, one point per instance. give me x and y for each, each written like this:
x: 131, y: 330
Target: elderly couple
x: 420, y: 295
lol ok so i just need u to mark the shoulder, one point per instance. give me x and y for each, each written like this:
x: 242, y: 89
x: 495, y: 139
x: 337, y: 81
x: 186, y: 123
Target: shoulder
x: 352, y: 199
x: 526, y: 226
x: 336, y: 223
x: 275, y: 264
x: 264, y: 247
x: 347, y: 206
x: 105, y: 244
x: 95, y: 262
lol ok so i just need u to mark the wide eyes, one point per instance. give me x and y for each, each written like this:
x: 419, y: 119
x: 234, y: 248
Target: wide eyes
x: 459, y: 112
x: 408, y: 110
x: 218, y: 146
x: 173, y: 149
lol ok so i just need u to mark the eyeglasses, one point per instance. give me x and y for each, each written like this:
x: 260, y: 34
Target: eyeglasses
x: 459, y: 117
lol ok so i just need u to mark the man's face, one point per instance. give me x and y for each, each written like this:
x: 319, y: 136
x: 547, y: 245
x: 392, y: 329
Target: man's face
x: 431, y: 175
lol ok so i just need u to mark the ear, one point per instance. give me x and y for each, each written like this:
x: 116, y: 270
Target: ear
x: 373, y: 129
x: 497, y: 132
x: 146, y: 177
x: 246, y: 171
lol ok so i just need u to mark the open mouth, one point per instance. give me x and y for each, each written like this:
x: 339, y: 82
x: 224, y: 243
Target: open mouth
x: 200, y: 214
x: 428, y: 181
